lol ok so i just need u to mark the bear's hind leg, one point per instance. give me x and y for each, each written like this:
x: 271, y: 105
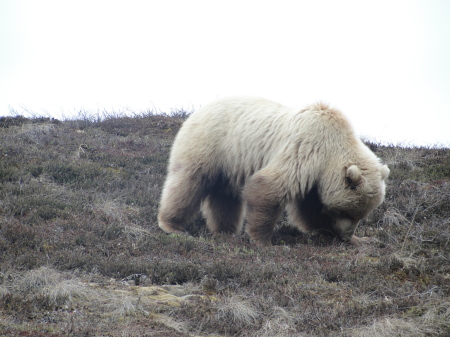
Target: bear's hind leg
x: 180, y: 202
x: 223, y: 210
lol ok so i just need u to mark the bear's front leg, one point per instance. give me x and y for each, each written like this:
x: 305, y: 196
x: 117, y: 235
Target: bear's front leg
x: 345, y: 229
x: 263, y: 208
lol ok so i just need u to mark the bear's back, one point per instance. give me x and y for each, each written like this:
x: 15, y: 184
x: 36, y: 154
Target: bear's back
x: 241, y: 133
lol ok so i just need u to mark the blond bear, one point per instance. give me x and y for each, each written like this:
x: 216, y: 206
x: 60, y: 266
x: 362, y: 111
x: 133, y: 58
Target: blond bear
x: 250, y: 158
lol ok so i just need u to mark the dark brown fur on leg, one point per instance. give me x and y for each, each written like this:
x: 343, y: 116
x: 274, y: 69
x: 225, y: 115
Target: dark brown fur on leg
x: 223, y: 211
x: 263, y: 209
x: 307, y: 213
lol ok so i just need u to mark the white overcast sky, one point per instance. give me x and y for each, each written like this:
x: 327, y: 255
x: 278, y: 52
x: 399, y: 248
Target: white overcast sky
x: 386, y: 64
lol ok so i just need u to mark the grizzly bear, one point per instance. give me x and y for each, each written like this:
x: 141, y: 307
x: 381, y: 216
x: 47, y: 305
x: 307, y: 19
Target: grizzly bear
x: 251, y: 158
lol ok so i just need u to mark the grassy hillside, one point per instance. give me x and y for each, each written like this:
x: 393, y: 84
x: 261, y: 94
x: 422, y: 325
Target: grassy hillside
x: 81, y: 254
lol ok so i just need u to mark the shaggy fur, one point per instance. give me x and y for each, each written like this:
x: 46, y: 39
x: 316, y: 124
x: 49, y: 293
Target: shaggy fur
x: 249, y: 155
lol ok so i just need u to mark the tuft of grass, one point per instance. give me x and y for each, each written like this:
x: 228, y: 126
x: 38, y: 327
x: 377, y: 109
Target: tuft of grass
x: 238, y: 311
x: 42, y: 288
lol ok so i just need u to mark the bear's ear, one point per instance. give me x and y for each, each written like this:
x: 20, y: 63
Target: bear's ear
x: 385, y: 172
x: 353, y: 176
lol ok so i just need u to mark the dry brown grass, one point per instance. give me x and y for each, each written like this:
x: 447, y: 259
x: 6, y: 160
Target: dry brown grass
x: 81, y: 254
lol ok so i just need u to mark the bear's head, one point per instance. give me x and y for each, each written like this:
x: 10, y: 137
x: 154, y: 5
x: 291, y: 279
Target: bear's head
x: 352, y: 195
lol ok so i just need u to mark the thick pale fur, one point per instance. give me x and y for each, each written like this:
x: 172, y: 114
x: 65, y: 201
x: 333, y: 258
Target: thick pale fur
x: 250, y: 155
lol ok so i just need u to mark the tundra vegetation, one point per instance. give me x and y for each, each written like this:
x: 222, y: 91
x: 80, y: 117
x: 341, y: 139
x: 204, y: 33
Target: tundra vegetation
x: 81, y: 253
